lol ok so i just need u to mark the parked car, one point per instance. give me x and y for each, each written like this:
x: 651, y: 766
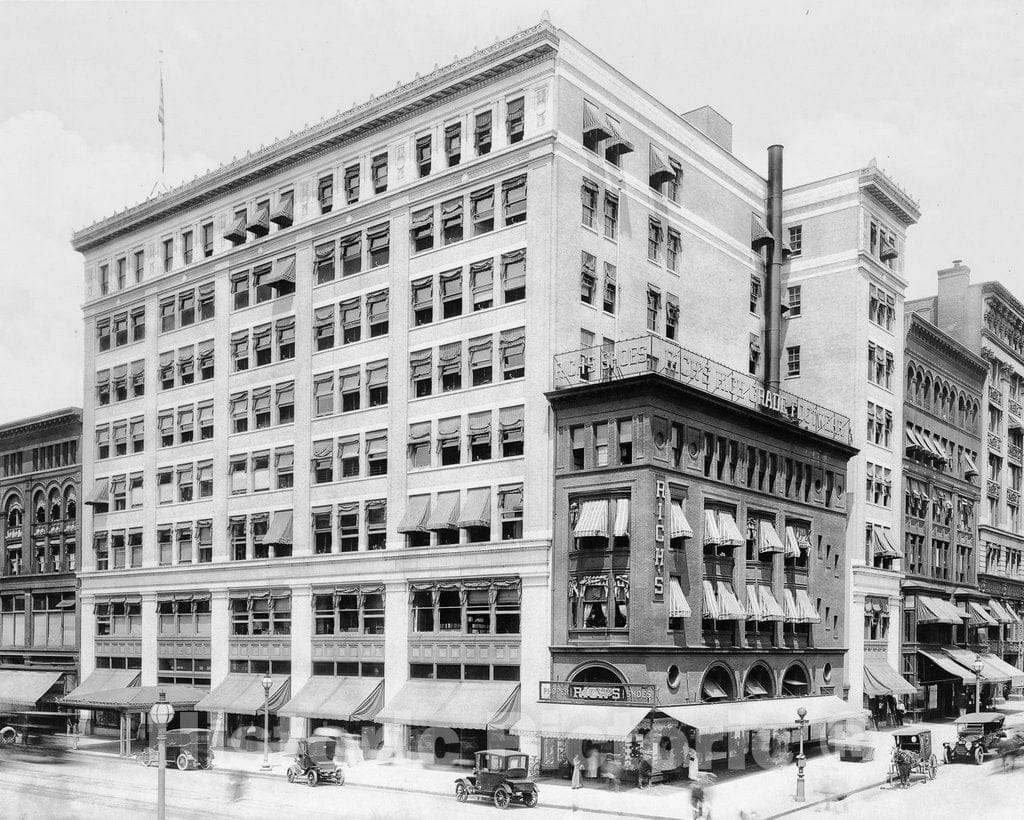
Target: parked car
x: 500, y: 775
x: 185, y: 748
x: 314, y: 762
x: 977, y: 734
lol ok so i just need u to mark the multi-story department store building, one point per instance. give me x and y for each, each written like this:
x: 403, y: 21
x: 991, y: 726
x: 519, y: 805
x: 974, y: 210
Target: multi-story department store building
x: 989, y: 321
x: 319, y: 388
x: 39, y: 498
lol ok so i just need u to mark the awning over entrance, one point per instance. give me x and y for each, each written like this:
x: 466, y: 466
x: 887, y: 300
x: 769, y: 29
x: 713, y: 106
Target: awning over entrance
x: 103, y: 679
x: 24, y: 687
x: 966, y: 658
x: 242, y: 694
x: 457, y: 704
x: 137, y: 698
x: 341, y: 698
x: 998, y: 664
x: 937, y: 611
x: 583, y: 721
x: 882, y: 679
x: 770, y: 713
x: 948, y: 665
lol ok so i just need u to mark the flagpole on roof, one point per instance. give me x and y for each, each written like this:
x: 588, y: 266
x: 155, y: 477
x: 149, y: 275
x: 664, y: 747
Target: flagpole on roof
x: 160, y: 183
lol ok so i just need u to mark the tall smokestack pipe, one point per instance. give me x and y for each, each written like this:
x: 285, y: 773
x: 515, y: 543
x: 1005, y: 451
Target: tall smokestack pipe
x: 773, y: 272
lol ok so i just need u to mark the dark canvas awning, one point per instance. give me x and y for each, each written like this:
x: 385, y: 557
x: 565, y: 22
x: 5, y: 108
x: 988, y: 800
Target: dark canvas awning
x: 137, y: 698
x: 882, y: 679
x: 661, y: 169
x: 966, y: 658
x: 457, y: 704
x: 999, y: 665
x: 283, y: 271
x: 415, y: 514
x: 936, y: 610
x: 242, y: 694
x: 102, y: 679
x: 949, y: 666
x: 759, y: 233
x: 24, y: 687
x: 593, y: 122
x: 340, y: 698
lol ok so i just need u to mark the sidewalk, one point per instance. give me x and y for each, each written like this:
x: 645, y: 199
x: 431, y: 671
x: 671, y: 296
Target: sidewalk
x: 767, y: 792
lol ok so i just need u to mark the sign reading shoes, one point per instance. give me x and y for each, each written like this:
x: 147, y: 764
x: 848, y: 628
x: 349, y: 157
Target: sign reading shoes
x: 624, y: 694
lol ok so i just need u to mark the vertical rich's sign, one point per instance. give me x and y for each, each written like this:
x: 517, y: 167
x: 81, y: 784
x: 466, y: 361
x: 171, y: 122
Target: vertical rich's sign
x: 660, y: 500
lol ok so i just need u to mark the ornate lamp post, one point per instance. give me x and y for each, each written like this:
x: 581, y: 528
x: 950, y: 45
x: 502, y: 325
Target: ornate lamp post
x: 267, y: 683
x: 977, y: 666
x: 801, y: 722
x: 161, y: 713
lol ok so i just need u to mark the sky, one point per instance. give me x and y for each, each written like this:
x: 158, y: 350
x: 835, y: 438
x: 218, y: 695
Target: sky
x: 934, y: 91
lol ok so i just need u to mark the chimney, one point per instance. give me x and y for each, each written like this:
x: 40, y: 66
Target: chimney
x: 773, y: 273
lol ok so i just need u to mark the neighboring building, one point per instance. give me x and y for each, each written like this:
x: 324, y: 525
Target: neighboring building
x: 943, y: 397
x: 40, y: 483
x: 317, y: 393
x: 843, y: 348
x: 989, y: 321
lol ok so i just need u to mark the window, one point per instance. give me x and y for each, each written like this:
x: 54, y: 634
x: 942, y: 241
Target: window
x: 207, y: 235
x: 240, y: 350
x: 653, y: 309
x: 186, y: 247
x: 261, y: 345
x: 140, y: 265
x: 261, y: 408
x: 283, y: 466
x: 285, y: 329
x: 449, y: 446
x: 323, y: 462
x: 588, y: 193
x: 795, y: 240
x: 185, y: 424
x: 103, y: 334
x: 240, y: 412
x: 420, y: 368
x: 479, y: 435
x: 323, y: 394
x: 285, y: 400
x: 793, y: 299
x: 348, y: 385
x: 168, y: 254
x: 325, y: 193
x: 880, y: 366
x: 351, y: 254
x: 482, y: 210
x: 352, y: 184
x: 379, y: 172
x: 185, y: 483
x: 451, y: 221
x: 323, y: 327
x: 513, y: 353
x: 673, y: 185
x: 671, y: 317
x: 379, y: 240
x: 120, y: 326
x: 453, y: 143
x: 423, y: 301
x: 423, y: 153
x: 376, y: 525
x: 611, y: 215
x: 655, y: 235
x: 377, y: 383
x: 264, y: 292
x: 514, y: 120
x: 510, y: 508
x: 323, y: 263
x: 793, y: 360
x: 482, y: 133
x: 482, y: 284
x: 513, y: 192
x: 674, y: 247
x: 881, y: 307
x: 167, y: 315
x: 422, y: 229
x: 588, y: 278
x: 449, y: 366
x: 511, y: 425
x: 104, y: 280
x: 377, y: 453
x: 419, y: 445
x: 513, y: 275
x: 451, y: 293
x: 240, y: 290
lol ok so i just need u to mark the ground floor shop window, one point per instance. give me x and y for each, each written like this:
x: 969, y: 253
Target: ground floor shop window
x: 453, y: 746
x: 245, y: 732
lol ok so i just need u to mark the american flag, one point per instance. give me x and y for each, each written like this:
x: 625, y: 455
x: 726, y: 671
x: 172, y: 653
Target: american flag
x: 160, y: 119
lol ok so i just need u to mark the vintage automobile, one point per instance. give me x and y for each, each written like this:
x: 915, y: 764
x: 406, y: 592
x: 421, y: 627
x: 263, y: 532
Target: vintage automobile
x: 918, y: 743
x: 500, y: 775
x: 314, y: 762
x: 977, y: 734
x: 186, y: 748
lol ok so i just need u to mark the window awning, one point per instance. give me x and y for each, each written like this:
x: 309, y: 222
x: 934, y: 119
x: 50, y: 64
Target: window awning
x: 979, y: 615
x: 759, y: 233
x: 947, y: 665
x: 593, y: 122
x: 477, y: 510
x: 616, y: 138
x: 754, y: 610
x: 999, y: 612
x: 338, y: 698
x: 583, y: 721
x: 445, y: 515
x: 1014, y: 422
x: 882, y: 679
x: 710, y: 599
x: 456, y: 704
x: 729, y: 606
x: 808, y: 614
x: 283, y: 213
x: 937, y: 611
x: 999, y: 665
x: 593, y: 519
x: 23, y: 687
x: 680, y: 527
x: 620, y: 528
x: 415, y: 514
x: 100, y: 493
x: 966, y: 658
x: 728, y: 531
x: 677, y: 604
x: 711, y: 533
x: 768, y: 713
x: 242, y: 694
x: 283, y: 271
x: 769, y: 605
x: 883, y: 543
x: 280, y: 531
x: 970, y: 468
x: 767, y: 538
x: 661, y: 169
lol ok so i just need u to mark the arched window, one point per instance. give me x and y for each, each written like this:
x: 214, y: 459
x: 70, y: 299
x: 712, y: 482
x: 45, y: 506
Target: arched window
x: 40, y: 508
x: 795, y: 682
x: 926, y: 393
x: 55, y: 505
x: 759, y: 683
x: 70, y: 504
x: 597, y: 673
x: 911, y: 388
x: 13, y: 513
x: 718, y: 685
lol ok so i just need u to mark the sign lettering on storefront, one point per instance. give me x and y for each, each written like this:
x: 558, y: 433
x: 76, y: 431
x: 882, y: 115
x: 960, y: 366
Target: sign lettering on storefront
x: 660, y: 497
x: 625, y: 694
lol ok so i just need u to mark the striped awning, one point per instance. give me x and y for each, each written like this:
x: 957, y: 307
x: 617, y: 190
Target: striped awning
x: 100, y: 493
x: 283, y: 271
x: 339, y: 698
x: 966, y: 658
x: 415, y: 514
x: 970, y: 468
x: 882, y: 679
x: 936, y: 610
x: 762, y: 713
x: 616, y: 138
x: 445, y: 515
x: 593, y: 519
x: 677, y: 604
x: 477, y: 510
x: 754, y: 610
x: 679, y: 527
x: 728, y: 531
x: 729, y: 606
x: 769, y: 605
x: 711, y: 534
x: 947, y: 665
x: 759, y: 233
x: 808, y: 614
x: 980, y: 616
x: 767, y: 538
x: 25, y: 688
x: 242, y: 694
x: 260, y: 222
x: 457, y: 704
x: 882, y: 543
x: 997, y: 664
x: 999, y: 612
x: 138, y: 698
x: 661, y: 170
x: 710, y: 607
x: 583, y: 721
x: 1014, y: 422
x: 621, y: 526
x: 283, y: 213
x: 280, y: 531
x: 593, y: 122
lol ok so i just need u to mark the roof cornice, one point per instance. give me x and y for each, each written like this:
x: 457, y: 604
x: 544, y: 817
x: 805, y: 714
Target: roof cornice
x: 925, y: 331
x: 877, y: 184
x: 409, y: 98
x: 44, y: 420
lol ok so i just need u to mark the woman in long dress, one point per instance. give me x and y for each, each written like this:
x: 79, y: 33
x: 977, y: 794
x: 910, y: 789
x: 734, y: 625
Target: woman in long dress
x: 577, y: 772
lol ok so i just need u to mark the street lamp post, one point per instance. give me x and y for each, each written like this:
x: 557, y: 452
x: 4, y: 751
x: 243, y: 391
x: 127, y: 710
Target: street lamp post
x: 161, y: 713
x: 801, y: 722
x: 267, y: 683
x: 978, y: 667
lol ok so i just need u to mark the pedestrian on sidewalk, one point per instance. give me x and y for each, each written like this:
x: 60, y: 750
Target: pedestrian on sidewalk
x: 901, y: 711
x: 577, y: 772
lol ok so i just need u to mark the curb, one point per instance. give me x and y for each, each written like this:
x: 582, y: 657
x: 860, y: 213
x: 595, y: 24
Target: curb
x: 822, y: 802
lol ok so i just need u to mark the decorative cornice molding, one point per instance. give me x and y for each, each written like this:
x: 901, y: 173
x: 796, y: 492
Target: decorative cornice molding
x: 889, y: 195
x: 924, y: 331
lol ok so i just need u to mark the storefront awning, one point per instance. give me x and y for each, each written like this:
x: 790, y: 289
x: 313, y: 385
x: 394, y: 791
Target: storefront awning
x: 937, y: 611
x: 103, y: 679
x: 979, y: 615
x: 947, y: 665
x: 456, y: 704
x: 966, y: 658
x: 882, y: 679
x: 583, y: 721
x: 24, y: 687
x: 998, y: 664
x: 137, y: 698
x: 341, y: 698
x: 771, y: 713
x: 242, y: 694
x: 999, y: 612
